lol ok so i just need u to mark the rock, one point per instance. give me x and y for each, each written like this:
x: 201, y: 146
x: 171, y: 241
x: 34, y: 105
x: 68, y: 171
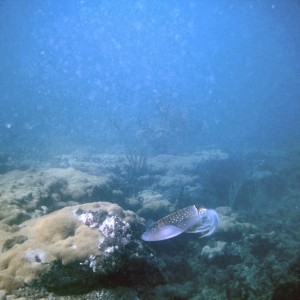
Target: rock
x: 93, y: 163
x: 79, y: 248
x: 173, y: 180
x: 2, y: 294
x: 184, y: 164
x: 210, y: 252
x: 230, y: 227
x: 32, y: 193
x: 222, y: 253
x: 153, y: 204
x: 181, y: 178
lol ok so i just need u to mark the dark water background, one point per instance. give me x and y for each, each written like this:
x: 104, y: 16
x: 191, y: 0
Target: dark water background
x: 182, y: 75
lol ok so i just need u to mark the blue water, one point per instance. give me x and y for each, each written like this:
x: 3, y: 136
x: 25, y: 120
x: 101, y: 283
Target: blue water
x: 192, y: 74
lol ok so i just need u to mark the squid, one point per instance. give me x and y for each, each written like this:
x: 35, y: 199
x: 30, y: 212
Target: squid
x: 190, y: 219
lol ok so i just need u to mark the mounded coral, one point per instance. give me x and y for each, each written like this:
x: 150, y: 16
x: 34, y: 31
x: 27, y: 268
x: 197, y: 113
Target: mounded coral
x: 76, y: 249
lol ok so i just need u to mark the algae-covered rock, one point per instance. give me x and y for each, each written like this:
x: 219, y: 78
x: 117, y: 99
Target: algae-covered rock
x: 76, y: 249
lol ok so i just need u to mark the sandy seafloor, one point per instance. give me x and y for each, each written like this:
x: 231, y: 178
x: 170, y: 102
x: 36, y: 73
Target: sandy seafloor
x: 255, y: 254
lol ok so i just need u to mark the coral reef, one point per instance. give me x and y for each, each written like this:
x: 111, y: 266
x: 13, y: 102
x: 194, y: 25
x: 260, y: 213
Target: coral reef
x: 55, y: 240
x: 76, y: 249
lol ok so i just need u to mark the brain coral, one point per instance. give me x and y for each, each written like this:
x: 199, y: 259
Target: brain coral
x: 78, y: 238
